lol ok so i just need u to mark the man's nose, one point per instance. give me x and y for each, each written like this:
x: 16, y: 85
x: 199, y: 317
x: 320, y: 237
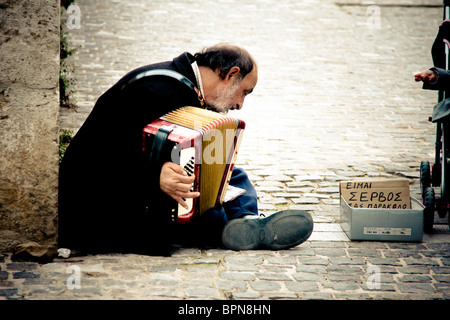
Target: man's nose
x: 238, y: 106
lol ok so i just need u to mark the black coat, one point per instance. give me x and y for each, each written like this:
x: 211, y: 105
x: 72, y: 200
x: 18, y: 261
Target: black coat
x: 103, y: 187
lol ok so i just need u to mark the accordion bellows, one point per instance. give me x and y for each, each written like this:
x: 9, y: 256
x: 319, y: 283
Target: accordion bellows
x: 205, y: 143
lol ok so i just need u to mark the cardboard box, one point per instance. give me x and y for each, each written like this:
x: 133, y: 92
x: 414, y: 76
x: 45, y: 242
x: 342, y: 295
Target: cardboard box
x: 378, y: 194
x: 380, y: 210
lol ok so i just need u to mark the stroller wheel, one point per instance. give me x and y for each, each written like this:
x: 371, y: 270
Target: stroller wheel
x: 448, y: 216
x: 429, y: 201
x: 442, y: 212
x: 425, y: 176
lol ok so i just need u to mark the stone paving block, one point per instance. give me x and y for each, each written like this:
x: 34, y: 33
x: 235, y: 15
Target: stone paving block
x: 307, y: 276
x: 424, y: 261
x: 306, y: 200
x: 282, y: 178
x: 346, y: 296
x: 8, y: 292
x: 311, y: 269
x: 240, y: 267
x: 296, y: 184
x: 260, y: 189
x: 385, y: 261
x: 25, y: 275
x: 119, y: 283
x: 38, y: 281
x: 87, y: 292
x: 237, y: 275
x: 202, y: 292
x: 264, y: 285
x: 279, y: 296
x: 347, y: 269
x: 163, y: 283
x: 387, y: 269
x: 414, y: 278
x: 328, y: 190
x: 245, y: 295
x: 416, y: 288
x: 23, y: 266
x: 274, y: 201
x: 158, y: 294
x: 304, y: 207
x: 272, y: 276
x: 313, y: 261
x: 403, y: 253
x: 299, y: 251
x: 328, y: 227
x: 3, y: 275
x: 413, y: 270
x: 308, y: 178
x: 367, y: 245
x: 341, y: 285
x: 326, y: 244
x: 316, y: 195
x: 363, y: 252
x: 266, y: 207
x: 283, y: 260
x: 330, y: 252
x: 328, y: 236
x: 246, y: 259
x: 302, y: 286
x: 347, y: 261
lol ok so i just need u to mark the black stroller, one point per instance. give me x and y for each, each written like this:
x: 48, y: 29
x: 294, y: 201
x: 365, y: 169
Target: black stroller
x: 438, y: 175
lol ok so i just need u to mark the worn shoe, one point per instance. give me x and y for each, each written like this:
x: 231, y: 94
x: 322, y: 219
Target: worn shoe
x: 281, y: 230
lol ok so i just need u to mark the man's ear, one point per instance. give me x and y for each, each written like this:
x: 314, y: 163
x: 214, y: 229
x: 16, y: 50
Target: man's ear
x: 233, y: 73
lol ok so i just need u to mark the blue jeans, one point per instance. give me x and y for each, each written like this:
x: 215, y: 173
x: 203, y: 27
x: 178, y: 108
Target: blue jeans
x: 209, y: 226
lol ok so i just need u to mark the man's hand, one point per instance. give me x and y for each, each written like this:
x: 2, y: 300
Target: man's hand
x: 426, y: 76
x: 176, y: 183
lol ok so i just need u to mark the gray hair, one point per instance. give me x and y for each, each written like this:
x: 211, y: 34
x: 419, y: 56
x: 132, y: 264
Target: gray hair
x: 223, y: 57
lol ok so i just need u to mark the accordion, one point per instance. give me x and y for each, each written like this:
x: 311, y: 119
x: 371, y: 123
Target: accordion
x: 205, y: 143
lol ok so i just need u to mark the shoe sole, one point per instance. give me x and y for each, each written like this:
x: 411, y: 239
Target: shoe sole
x: 283, y: 230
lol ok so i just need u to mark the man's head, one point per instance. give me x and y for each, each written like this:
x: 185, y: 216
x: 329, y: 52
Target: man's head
x: 228, y: 74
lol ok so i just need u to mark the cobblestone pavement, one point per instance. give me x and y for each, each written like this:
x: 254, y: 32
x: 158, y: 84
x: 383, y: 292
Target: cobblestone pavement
x: 336, y: 101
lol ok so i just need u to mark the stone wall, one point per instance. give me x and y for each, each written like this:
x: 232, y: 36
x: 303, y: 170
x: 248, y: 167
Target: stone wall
x: 29, y: 104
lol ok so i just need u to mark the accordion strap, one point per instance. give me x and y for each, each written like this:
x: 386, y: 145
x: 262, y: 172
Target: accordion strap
x: 168, y: 73
x: 156, y: 160
x: 160, y: 218
x: 158, y: 146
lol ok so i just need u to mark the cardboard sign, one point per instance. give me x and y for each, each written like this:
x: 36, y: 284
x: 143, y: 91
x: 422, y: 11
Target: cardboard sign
x: 382, y: 194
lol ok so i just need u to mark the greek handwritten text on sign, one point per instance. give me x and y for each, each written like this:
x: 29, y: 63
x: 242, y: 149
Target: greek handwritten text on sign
x: 382, y: 194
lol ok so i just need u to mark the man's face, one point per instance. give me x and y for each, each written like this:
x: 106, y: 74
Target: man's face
x: 231, y: 92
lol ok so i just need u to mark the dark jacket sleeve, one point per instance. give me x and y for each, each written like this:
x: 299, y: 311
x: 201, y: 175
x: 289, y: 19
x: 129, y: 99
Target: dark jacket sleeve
x: 443, y: 81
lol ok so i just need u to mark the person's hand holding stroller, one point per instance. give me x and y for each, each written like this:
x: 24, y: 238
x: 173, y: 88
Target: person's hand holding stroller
x: 427, y: 76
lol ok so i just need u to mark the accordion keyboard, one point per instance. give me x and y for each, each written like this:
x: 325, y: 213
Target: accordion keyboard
x: 187, y: 161
x: 189, y: 167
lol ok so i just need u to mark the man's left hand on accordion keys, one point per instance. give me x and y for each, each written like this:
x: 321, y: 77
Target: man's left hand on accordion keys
x: 175, y: 182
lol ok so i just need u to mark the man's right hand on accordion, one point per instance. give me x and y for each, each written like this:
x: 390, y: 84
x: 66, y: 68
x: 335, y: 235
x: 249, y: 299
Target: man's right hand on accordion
x: 175, y: 182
